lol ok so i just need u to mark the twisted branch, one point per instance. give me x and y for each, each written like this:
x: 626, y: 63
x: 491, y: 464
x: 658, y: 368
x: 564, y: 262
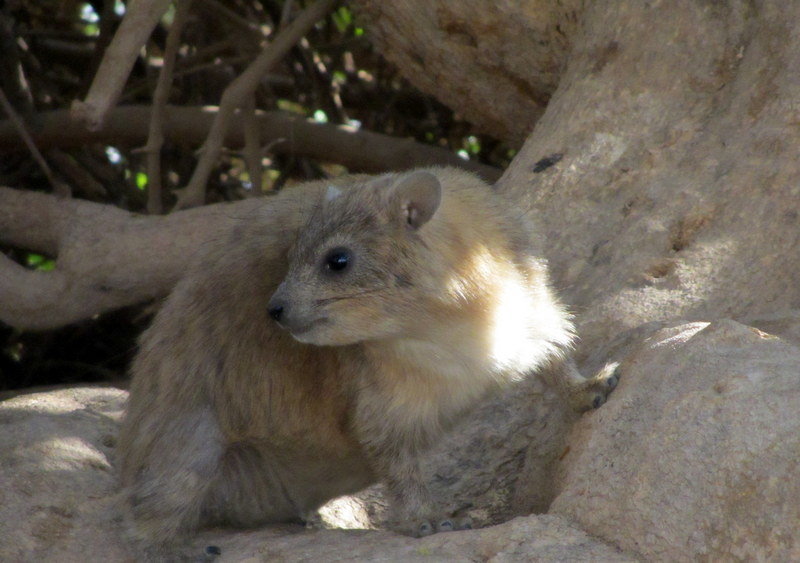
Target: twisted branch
x: 237, y: 94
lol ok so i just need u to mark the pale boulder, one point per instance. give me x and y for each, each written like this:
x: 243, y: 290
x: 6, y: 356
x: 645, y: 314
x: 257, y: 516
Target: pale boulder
x: 697, y: 455
x: 59, y: 498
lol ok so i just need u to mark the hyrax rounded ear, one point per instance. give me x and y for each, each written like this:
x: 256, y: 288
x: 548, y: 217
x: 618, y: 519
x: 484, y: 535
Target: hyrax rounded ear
x: 414, y: 198
x: 331, y: 193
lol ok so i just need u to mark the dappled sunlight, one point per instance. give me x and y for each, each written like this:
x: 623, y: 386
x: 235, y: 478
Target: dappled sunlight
x: 681, y: 337
x: 527, y: 325
x: 522, y: 324
x: 352, y: 126
x: 41, y: 404
x: 347, y: 512
x: 106, y: 402
x: 66, y: 453
x: 510, y: 324
x: 689, y: 289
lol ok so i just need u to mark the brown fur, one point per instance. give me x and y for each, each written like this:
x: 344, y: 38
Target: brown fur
x: 233, y: 420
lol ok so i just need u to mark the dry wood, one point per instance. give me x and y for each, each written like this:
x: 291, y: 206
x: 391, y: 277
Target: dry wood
x: 19, y: 125
x: 252, y: 145
x: 137, y: 25
x: 358, y: 150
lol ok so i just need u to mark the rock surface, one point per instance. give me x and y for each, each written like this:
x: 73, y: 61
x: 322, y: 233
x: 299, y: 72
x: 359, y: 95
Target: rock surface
x: 57, y: 482
x: 533, y: 538
x: 697, y: 455
x: 60, y: 501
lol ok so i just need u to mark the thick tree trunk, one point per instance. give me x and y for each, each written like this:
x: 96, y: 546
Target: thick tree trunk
x: 496, y: 63
x: 677, y: 196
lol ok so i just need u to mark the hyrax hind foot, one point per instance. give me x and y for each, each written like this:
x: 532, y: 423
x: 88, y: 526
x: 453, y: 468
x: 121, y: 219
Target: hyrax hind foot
x: 422, y: 528
x: 593, y: 392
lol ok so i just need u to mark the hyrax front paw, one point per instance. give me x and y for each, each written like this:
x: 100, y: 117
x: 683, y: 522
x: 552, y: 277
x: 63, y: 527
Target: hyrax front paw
x: 427, y: 527
x: 594, y: 392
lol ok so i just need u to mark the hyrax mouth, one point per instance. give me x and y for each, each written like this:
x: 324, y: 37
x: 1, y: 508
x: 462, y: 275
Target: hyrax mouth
x: 303, y: 329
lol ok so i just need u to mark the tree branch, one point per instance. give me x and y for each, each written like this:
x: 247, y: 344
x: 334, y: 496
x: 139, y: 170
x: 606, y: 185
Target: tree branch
x: 136, y: 259
x: 137, y: 25
x: 358, y: 150
x: 218, y: 9
x: 155, y: 138
x: 236, y: 94
x: 12, y: 75
x: 58, y: 187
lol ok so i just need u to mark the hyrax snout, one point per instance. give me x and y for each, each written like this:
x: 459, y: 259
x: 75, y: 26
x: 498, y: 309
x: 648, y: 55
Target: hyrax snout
x: 325, y: 342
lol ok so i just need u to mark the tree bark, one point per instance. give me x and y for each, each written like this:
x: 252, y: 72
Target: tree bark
x: 677, y: 196
x: 495, y: 63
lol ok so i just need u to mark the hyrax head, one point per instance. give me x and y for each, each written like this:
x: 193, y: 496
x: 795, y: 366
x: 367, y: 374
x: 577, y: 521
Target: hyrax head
x: 351, y: 269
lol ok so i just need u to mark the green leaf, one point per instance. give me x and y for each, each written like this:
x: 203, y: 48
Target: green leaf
x: 289, y: 105
x: 34, y: 260
x: 342, y: 18
x: 141, y: 180
x: 472, y: 144
x: 39, y: 262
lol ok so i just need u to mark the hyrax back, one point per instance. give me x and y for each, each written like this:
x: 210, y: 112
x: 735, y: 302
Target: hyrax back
x: 396, y: 303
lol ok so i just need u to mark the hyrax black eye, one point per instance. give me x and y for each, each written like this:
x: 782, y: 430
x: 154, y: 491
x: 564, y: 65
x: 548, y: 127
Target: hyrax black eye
x: 337, y: 260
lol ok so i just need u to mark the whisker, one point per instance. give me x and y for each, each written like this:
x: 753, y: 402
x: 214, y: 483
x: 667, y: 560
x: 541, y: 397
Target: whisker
x: 348, y: 296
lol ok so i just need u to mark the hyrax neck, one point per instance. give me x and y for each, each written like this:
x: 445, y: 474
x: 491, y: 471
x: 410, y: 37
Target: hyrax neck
x: 424, y: 383
x: 439, y: 370
x: 470, y: 343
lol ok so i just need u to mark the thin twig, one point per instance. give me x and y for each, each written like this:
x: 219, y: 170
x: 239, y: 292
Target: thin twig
x: 79, y: 176
x: 237, y: 93
x: 160, y: 97
x: 252, y: 145
x: 12, y: 75
x: 286, y: 13
x: 243, y: 23
x: 59, y: 188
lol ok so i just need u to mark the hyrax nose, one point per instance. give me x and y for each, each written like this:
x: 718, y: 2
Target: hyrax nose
x: 275, y: 311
